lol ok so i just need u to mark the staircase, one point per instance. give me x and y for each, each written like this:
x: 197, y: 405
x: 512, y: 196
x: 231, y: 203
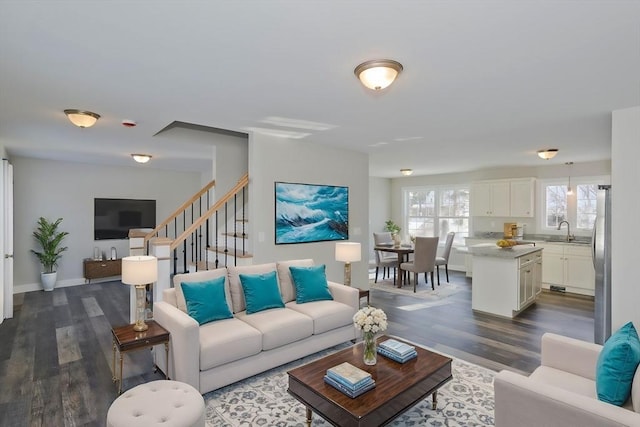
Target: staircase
x: 203, y: 234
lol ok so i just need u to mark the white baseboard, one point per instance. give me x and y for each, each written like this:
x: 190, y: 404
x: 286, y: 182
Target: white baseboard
x: 31, y: 287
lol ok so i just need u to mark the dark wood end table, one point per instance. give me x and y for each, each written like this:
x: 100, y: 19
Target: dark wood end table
x: 399, y: 386
x: 126, y: 339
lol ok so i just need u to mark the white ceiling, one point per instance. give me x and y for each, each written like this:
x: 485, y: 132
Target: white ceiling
x: 485, y: 83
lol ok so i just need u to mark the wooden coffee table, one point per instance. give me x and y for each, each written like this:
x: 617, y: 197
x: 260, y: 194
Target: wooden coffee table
x: 398, y: 387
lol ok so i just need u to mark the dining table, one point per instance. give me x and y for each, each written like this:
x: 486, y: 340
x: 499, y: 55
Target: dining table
x: 402, y: 251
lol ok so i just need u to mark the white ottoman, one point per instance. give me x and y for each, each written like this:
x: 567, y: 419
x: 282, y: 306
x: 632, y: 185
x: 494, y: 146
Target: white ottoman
x: 163, y: 403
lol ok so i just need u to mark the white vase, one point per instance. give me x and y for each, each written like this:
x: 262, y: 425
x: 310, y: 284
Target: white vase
x: 48, y: 280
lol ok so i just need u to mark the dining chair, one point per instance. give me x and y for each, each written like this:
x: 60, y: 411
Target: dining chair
x: 386, y: 260
x: 444, y: 259
x: 424, y: 259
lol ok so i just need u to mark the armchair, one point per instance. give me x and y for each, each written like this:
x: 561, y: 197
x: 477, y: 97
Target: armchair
x: 562, y: 391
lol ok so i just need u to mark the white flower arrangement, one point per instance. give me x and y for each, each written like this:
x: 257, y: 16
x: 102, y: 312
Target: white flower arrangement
x: 370, y: 319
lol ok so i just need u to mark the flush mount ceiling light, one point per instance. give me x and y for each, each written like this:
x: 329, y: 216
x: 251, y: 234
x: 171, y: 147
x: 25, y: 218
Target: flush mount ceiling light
x: 82, y: 119
x: 547, y: 154
x: 406, y: 172
x: 141, y: 158
x: 378, y: 73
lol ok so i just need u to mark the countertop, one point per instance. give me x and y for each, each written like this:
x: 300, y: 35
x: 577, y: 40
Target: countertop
x: 492, y: 250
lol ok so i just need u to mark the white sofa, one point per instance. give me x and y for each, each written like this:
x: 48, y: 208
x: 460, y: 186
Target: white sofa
x: 225, y: 351
x: 562, y: 391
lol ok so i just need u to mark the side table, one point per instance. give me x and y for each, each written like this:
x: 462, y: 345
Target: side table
x: 363, y: 293
x: 126, y: 339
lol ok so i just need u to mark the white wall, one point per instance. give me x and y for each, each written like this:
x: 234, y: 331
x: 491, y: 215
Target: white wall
x: 625, y: 206
x: 274, y: 159
x: 231, y: 162
x: 66, y: 189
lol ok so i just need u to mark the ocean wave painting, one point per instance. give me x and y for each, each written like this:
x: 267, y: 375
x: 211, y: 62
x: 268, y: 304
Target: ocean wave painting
x: 311, y: 213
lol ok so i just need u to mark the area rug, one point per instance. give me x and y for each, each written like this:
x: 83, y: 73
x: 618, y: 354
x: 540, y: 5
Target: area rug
x: 423, y: 291
x: 262, y: 400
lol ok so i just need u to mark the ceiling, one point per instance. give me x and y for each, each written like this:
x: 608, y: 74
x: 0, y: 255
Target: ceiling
x: 485, y: 83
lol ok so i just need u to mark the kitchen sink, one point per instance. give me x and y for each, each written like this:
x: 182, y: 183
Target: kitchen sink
x: 564, y: 240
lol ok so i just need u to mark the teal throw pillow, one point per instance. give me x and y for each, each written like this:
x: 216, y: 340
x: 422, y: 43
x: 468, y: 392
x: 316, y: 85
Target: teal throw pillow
x: 617, y: 364
x: 311, y: 283
x: 206, y: 301
x: 261, y: 291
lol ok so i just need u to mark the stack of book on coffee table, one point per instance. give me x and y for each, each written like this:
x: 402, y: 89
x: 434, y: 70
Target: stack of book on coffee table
x: 396, y: 350
x: 349, y: 379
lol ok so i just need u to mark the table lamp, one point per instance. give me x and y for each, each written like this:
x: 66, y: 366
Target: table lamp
x: 139, y: 271
x: 348, y: 252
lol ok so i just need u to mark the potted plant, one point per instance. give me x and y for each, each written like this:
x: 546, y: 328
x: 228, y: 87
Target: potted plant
x: 394, y: 229
x: 50, y: 239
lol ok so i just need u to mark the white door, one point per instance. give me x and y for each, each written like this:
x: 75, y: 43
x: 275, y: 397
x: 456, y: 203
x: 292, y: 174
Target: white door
x: 6, y: 241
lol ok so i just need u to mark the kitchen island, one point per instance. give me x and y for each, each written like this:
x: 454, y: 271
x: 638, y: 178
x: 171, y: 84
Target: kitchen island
x: 505, y: 280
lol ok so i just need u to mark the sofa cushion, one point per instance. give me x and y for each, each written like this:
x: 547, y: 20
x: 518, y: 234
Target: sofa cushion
x: 311, y: 283
x: 226, y: 341
x: 279, y: 326
x: 237, y: 294
x: 617, y: 365
x: 199, y: 276
x: 261, y: 291
x: 206, y: 301
x: 287, y: 288
x: 326, y: 315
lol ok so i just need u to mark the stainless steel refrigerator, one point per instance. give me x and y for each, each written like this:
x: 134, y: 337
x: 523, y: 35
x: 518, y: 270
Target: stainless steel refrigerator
x: 601, y: 251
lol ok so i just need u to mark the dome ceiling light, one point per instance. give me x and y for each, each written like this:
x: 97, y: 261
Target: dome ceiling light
x: 82, y: 119
x: 406, y: 172
x: 141, y: 158
x: 547, y: 154
x: 378, y: 73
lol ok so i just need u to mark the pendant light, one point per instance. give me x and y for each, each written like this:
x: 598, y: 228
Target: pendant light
x: 569, y: 189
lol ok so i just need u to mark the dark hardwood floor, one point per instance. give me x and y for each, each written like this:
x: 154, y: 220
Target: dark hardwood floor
x: 56, y: 353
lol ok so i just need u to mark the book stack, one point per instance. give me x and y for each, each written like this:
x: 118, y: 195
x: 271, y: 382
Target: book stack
x: 349, y: 380
x: 396, y: 350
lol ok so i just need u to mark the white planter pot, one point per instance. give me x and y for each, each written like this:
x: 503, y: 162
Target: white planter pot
x: 48, y: 280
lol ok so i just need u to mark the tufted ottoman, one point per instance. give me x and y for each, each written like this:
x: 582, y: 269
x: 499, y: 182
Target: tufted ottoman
x: 165, y: 403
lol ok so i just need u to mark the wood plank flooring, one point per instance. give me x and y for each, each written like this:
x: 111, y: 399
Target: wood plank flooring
x: 55, y: 354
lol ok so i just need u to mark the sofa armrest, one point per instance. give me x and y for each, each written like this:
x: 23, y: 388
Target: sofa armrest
x: 345, y: 294
x: 570, y: 355
x: 184, y: 343
x: 522, y: 402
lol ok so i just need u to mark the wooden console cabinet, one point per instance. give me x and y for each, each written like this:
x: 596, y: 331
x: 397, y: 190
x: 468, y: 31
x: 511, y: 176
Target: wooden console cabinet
x: 98, y: 269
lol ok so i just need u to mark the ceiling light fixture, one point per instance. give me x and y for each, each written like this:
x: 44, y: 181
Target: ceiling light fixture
x: 82, y: 119
x: 141, y: 158
x: 547, y: 154
x: 406, y: 172
x: 569, y: 189
x: 378, y: 73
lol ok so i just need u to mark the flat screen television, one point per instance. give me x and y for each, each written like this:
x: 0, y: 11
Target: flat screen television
x: 113, y: 218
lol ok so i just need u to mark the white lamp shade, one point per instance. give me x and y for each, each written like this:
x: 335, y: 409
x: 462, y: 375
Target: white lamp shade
x: 139, y: 270
x: 348, y: 252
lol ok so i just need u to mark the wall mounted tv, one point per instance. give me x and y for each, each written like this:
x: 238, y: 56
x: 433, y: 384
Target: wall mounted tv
x: 113, y: 218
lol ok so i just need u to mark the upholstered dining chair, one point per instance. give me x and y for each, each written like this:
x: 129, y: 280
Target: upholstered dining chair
x: 444, y: 259
x: 386, y: 260
x: 424, y: 259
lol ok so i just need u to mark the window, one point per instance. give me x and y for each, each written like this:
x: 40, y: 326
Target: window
x: 579, y: 208
x: 435, y: 211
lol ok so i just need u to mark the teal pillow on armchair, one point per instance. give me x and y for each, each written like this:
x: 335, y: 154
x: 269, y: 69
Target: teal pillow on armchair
x: 617, y: 365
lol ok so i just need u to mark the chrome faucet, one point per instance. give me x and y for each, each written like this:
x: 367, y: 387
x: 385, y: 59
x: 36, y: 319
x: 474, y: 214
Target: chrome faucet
x: 570, y: 236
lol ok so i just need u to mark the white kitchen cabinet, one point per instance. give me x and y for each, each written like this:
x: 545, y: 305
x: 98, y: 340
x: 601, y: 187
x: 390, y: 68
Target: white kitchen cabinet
x: 490, y: 198
x: 522, y: 192
x: 569, y: 266
x: 529, y: 279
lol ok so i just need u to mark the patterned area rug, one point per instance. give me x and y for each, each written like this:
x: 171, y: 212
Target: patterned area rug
x: 262, y: 400
x: 422, y: 291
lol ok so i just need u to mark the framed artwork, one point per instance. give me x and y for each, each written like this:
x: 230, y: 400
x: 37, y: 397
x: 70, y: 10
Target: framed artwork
x: 310, y: 213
